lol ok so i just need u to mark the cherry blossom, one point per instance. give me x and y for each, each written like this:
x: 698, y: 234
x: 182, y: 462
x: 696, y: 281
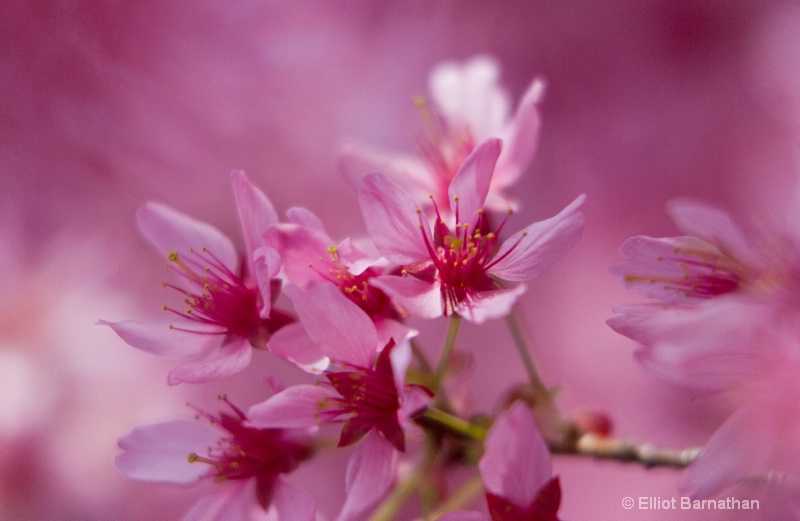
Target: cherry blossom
x: 364, y: 390
x: 247, y: 463
x: 228, y: 301
x: 461, y: 269
x: 516, y: 471
x: 468, y: 107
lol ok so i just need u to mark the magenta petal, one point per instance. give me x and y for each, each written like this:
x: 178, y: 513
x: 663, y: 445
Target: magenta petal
x: 516, y: 461
x: 470, y: 185
x: 532, y: 251
x: 266, y: 266
x: 159, y: 339
x: 256, y: 213
x: 420, y: 298
x: 159, y: 451
x: 306, y: 218
x: 393, y: 220
x: 170, y: 230
x: 233, y: 502
x: 521, y: 137
x: 298, y: 406
x: 293, y: 343
x: 225, y: 361
x: 344, y: 332
x: 488, y: 305
x: 370, y: 472
x: 292, y: 503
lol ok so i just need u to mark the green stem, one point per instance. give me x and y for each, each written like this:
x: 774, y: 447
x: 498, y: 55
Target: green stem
x: 449, y: 345
x: 539, y: 389
x: 455, y: 424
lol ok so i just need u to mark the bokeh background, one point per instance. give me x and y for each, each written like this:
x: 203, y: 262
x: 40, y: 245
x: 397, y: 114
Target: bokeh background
x: 105, y: 105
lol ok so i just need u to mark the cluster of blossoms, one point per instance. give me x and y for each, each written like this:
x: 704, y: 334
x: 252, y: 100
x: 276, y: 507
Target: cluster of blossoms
x: 437, y: 248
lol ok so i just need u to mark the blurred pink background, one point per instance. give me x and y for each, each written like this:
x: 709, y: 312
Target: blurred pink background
x: 107, y: 105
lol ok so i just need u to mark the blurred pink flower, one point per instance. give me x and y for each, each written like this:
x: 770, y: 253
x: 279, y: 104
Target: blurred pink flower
x: 469, y: 107
x: 246, y: 462
x: 517, y: 472
x: 726, y: 320
x: 458, y: 271
x: 229, y: 304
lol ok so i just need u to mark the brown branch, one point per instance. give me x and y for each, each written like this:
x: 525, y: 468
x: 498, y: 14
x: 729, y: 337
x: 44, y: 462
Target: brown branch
x: 627, y: 450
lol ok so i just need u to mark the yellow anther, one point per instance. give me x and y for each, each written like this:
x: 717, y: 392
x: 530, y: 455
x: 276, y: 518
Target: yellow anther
x: 173, y: 255
x: 192, y: 457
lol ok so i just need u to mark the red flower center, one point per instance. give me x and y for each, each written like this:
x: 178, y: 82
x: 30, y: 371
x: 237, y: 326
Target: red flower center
x: 543, y: 508
x: 357, y: 288
x: 368, y: 401
x: 460, y: 259
x: 247, y: 452
x: 215, y: 295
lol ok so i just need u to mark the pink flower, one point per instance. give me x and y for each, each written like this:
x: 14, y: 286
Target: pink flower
x: 228, y: 302
x: 365, y: 391
x: 469, y: 107
x: 517, y: 472
x: 310, y: 256
x: 720, y: 291
x: 460, y: 269
x: 725, y: 320
x: 246, y: 462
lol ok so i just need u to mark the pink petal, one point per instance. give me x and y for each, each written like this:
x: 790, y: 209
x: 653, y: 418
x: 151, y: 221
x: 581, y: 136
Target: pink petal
x: 266, y: 266
x: 292, y: 503
x: 306, y: 218
x: 516, y: 462
x: 711, y: 346
x: 159, y: 451
x: 170, y: 230
x: 159, y: 339
x: 293, y: 343
x: 225, y: 361
x: 389, y: 329
x: 532, y: 251
x: 298, y: 406
x: 470, y: 95
x: 414, y: 399
x: 521, y: 137
x: 488, y: 305
x: 357, y: 159
x: 712, y: 225
x: 343, y: 331
x: 233, y: 502
x: 393, y: 220
x: 256, y: 213
x: 674, y: 270
x: 420, y: 298
x: 400, y: 357
x: 471, y: 183
x: 370, y: 472
x: 300, y: 249
x: 760, y: 440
